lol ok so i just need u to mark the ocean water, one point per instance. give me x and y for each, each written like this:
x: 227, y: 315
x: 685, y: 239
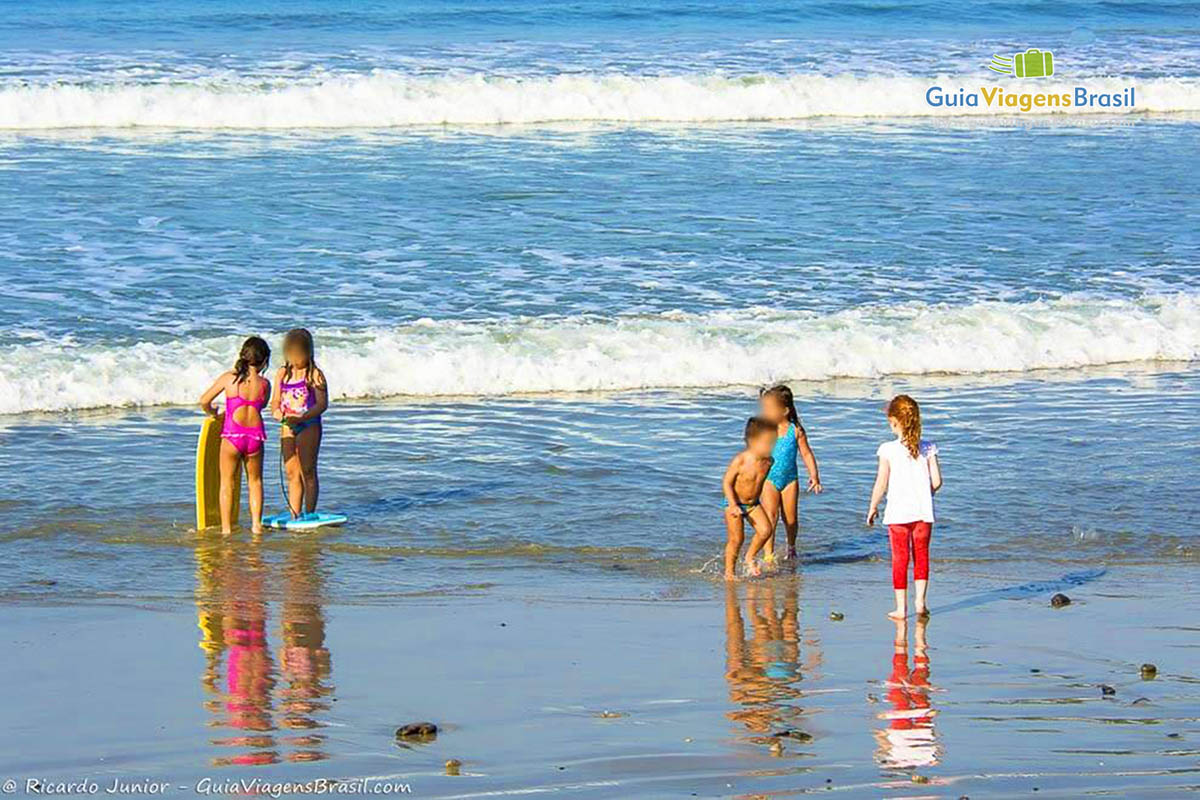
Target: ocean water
x: 550, y: 251
x: 526, y: 233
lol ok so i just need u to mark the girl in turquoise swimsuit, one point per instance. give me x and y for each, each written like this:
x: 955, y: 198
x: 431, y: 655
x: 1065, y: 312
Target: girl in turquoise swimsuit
x: 782, y: 488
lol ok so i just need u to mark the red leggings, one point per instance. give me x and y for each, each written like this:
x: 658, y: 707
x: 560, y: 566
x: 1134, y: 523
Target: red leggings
x: 912, y: 536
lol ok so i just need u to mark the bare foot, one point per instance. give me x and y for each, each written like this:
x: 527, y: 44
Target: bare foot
x: 729, y: 576
x: 922, y: 612
x: 897, y: 614
x: 791, y: 554
x: 752, y: 569
x: 257, y: 530
x: 226, y: 531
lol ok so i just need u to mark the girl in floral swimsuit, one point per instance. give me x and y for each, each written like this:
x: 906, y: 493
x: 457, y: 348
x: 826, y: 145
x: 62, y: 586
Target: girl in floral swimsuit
x: 301, y: 397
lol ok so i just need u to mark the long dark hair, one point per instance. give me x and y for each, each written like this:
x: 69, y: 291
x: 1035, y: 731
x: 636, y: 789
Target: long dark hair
x: 300, y: 337
x: 255, y: 352
x: 783, y: 395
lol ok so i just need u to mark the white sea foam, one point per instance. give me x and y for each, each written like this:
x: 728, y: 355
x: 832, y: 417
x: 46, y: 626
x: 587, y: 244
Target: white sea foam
x: 430, y: 358
x: 385, y: 99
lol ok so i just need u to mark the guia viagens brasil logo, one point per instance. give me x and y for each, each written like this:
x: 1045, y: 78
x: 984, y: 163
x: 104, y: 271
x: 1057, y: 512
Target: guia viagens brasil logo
x: 1032, y: 63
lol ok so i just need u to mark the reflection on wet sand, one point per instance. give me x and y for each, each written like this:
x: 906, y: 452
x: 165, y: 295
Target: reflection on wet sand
x: 909, y: 740
x: 253, y: 694
x: 764, y: 670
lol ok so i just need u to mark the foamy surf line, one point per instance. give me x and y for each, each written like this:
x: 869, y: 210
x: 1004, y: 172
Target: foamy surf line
x: 665, y: 351
x: 390, y: 100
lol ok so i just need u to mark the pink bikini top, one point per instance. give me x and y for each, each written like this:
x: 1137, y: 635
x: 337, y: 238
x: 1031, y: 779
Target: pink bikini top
x: 233, y: 402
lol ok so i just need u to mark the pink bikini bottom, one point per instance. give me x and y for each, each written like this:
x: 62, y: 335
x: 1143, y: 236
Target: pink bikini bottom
x: 247, y: 444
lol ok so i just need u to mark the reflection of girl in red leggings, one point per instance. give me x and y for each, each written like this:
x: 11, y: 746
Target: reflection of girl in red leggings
x: 909, y: 475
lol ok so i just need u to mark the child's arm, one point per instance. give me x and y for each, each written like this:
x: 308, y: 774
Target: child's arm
x: 277, y: 396
x: 935, y: 473
x: 881, y: 482
x: 211, y: 393
x: 810, y: 462
x: 731, y: 498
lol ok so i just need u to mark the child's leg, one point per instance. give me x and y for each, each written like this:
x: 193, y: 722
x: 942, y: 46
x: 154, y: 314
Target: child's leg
x: 308, y: 445
x: 735, y: 533
x: 295, y: 478
x: 254, y: 489
x: 899, y: 538
x: 770, y: 501
x: 922, y: 531
x: 763, y: 531
x: 791, y: 515
x: 230, y: 461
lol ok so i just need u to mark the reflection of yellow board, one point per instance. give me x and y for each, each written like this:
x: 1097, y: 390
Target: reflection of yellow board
x: 208, y: 477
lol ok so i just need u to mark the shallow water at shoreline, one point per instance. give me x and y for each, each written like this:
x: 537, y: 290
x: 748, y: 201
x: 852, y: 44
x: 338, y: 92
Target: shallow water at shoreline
x: 514, y: 491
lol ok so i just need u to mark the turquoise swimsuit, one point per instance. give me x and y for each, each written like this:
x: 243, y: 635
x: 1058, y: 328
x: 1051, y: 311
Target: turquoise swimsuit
x: 783, y: 471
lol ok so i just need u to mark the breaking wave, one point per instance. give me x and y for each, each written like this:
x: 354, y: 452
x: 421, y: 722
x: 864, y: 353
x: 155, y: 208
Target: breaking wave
x: 672, y: 350
x: 389, y: 99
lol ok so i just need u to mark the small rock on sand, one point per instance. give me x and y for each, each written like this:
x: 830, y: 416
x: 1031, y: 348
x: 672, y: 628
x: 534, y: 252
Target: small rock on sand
x: 417, y: 730
x: 611, y: 714
x: 1107, y: 690
x: 453, y: 766
x: 1149, y: 672
x: 791, y: 733
x: 1059, y: 600
x: 836, y: 616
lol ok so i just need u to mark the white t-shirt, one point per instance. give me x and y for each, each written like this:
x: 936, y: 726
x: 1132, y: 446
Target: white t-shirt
x: 909, y: 493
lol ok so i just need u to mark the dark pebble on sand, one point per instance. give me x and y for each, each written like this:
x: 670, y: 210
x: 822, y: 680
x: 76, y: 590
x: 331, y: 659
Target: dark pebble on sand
x: 836, y: 616
x: 417, y: 730
x: 44, y: 582
x: 1149, y: 672
x: 1035, y: 669
x: 1059, y: 600
x: 503, y: 624
x: 1174, y: 735
x: 790, y: 733
x: 1107, y: 690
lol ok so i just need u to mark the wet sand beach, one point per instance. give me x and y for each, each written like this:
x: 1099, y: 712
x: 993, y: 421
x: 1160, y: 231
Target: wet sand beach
x: 592, y: 689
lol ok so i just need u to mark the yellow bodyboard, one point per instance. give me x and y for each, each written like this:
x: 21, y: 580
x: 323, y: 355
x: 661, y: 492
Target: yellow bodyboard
x: 208, y: 477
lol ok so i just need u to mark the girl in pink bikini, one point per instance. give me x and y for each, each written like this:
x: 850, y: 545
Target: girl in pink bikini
x: 242, y: 433
x: 301, y: 397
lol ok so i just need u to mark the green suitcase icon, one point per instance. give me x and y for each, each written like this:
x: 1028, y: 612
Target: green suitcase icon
x: 1034, y: 63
